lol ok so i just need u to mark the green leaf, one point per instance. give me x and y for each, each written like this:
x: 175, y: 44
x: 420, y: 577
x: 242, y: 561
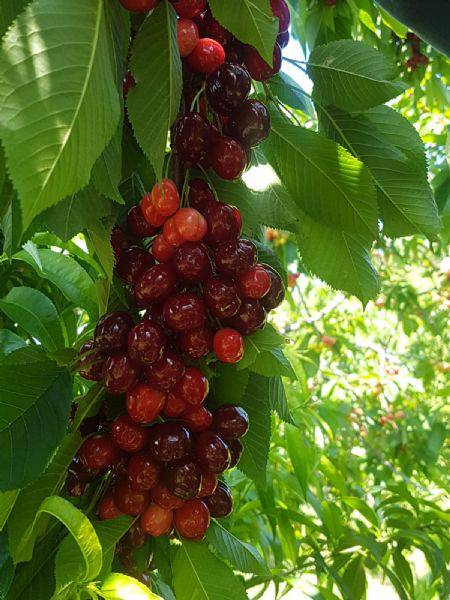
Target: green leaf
x: 118, y: 586
x: 291, y: 93
x: 352, y: 76
x: 9, y: 9
x: 265, y: 340
x: 327, y: 182
x: 9, y: 342
x: 229, y: 384
x: 302, y: 455
x: 156, y: 67
x: 35, y: 312
x: 354, y: 578
x: 107, y: 171
x: 11, y: 224
x: 251, y: 21
x: 7, y: 501
x: 201, y: 575
x: 363, y: 508
x: 59, y: 105
x: 100, y: 235
x: 242, y: 556
x: 109, y: 533
x: 273, y: 363
x: 278, y: 400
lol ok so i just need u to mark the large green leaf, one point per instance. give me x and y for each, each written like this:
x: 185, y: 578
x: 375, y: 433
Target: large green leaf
x: 354, y: 578
x: 118, y: 586
x: 153, y: 103
x: 100, y: 236
x: 11, y: 223
x: 251, y: 21
x: 265, y: 340
x: 229, y: 384
x: 9, y: 9
x: 273, y: 363
x: 278, y: 400
x: 9, y: 342
x: 34, y: 414
x: 109, y: 533
x: 7, y: 501
x: 290, y: 92
x: 352, y: 76
x: 326, y: 181
x: 35, y: 312
x: 59, y: 105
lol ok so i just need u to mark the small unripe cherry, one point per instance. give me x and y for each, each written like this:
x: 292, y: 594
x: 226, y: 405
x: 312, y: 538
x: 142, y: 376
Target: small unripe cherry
x: 165, y: 198
x: 190, y: 224
x: 187, y: 35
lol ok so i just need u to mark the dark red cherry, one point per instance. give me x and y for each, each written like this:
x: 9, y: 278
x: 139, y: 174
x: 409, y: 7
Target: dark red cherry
x: 210, y: 28
x: 111, y: 332
x: 228, y: 158
x: 221, y: 296
x: 132, y: 262
x: 220, y: 503
x: 107, y: 508
x: 254, y: 283
x: 162, y: 250
x: 275, y: 295
x: 222, y: 225
x: 91, y: 362
x: 79, y: 468
x: 193, y: 386
x: 250, y: 123
x: 156, y: 521
x: 197, y: 418
x: 193, y: 138
x: 143, y: 472
x: 118, y: 241
x: 212, y: 452
x: 144, y: 403
x: 199, y: 194
x: 197, y: 342
x: 139, y: 5
x: 209, y: 484
x: 192, y: 519
x: 231, y: 422
x: 280, y: 9
x: 257, y: 66
x: 189, y: 9
x: 183, y: 480
x: 154, y: 285
x: 98, y: 452
x: 121, y: 373
x: 235, y: 256
x: 283, y: 39
x: 234, y: 52
x: 236, y: 449
x: 146, y: 343
x: 192, y: 262
x: 250, y: 317
x: 165, y: 373
x: 184, y: 311
x: 127, y: 434
x: 207, y: 56
x: 227, y: 88
x: 129, y: 501
x: 137, y: 224
x: 169, y: 442
x: 175, y: 405
x: 164, y: 498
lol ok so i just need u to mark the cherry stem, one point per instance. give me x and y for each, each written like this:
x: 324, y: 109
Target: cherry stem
x: 166, y: 169
x: 185, y: 188
x: 211, y: 185
x: 196, y: 98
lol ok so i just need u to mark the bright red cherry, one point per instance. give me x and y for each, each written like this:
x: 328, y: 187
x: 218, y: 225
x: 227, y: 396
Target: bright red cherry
x: 190, y: 224
x: 207, y: 56
x: 209, y: 484
x: 192, y: 262
x: 111, y: 332
x: 175, y: 405
x: 151, y: 215
x: 193, y: 138
x: 165, y: 373
x: 171, y: 234
x: 220, y: 503
x: 139, y: 5
x: 155, y: 284
x: 98, y: 452
x: 197, y: 418
x: 221, y: 297
x: 132, y: 262
x: 184, y: 311
x: 183, y: 480
x: 129, y: 501
x: 187, y: 36
x: 275, y: 295
x: 164, y: 498
x: 91, y: 362
x: 121, y: 373
x: 228, y: 345
x: 212, y: 452
x: 144, y: 403
x: 137, y: 223
x: 192, y: 519
x: 235, y: 256
x: 165, y: 197
x: 197, y: 342
x: 280, y: 9
x: 107, y: 508
x: 250, y: 317
x: 143, y: 472
x: 199, y: 194
x: 236, y: 449
x: 210, y: 28
x: 156, y: 521
x: 227, y: 88
x: 128, y: 435
x: 228, y: 158
x: 257, y: 66
x: 254, y: 283
x: 189, y: 9
x: 193, y: 386
x: 146, y: 343
x: 231, y: 422
x: 161, y: 250
x: 169, y: 441
x: 250, y: 123
x: 222, y: 226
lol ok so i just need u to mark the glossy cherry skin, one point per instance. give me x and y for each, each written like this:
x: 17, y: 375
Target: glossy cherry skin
x: 118, y: 241
x: 111, y: 332
x: 151, y: 214
x: 132, y: 262
x: 129, y: 501
x: 169, y: 442
x: 222, y: 225
x: 212, y: 452
x: 187, y: 36
x: 281, y: 10
x: 98, y: 452
x: 161, y: 250
x: 275, y: 295
x: 143, y: 472
x: 190, y: 224
x: 107, y: 508
x: 283, y: 39
x: 184, y: 480
x: 231, y: 422
x: 193, y: 138
x: 220, y: 503
x: 146, y: 343
x: 250, y: 317
x: 228, y: 158
x: 86, y: 474
x: 192, y: 519
x: 236, y: 449
x: 228, y: 345
x: 171, y: 234
x: 193, y: 386
x: 165, y: 197
x: 156, y: 521
x: 139, y: 5
x: 164, y: 498
x: 175, y: 405
x: 209, y: 484
x: 197, y: 418
x: 200, y: 194
x: 128, y: 435
x: 197, y: 342
x: 184, y: 311
x: 227, y: 88
x: 207, y: 56
x: 121, y: 373
x: 165, y: 373
x: 154, y: 285
x: 254, y: 283
x: 144, y: 403
x: 137, y: 223
x: 189, y: 9
x: 235, y: 256
x: 250, y: 123
x: 257, y: 66
x: 210, y: 28
x: 91, y: 366
x: 221, y: 297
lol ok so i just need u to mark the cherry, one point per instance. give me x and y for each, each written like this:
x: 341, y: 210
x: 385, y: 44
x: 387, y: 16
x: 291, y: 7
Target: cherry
x: 281, y: 10
x: 98, y: 452
x: 146, y: 343
x: 151, y: 215
x: 222, y: 226
x: 254, y: 283
x: 139, y: 5
x: 237, y: 217
x: 227, y: 88
x: 86, y: 474
x: 161, y: 250
x: 207, y: 56
x: 212, y: 452
x: 190, y: 224
x: 135, y: 537
x: 175, y: 405
x: 283, y: 39
x: 132, y: 262
x: 275, y: 295
x: 137, y: 223
x: 153, y: 314
x: 111, y: 332
x: 91, y: 366
x: 171, y: 234
x: 189, y: 9
x: 107, y: 508
x: 220, y: 503
x: 121, y: 373
x: 198, y: 418
x: 192, y: 519
x: 250, y: 123
x: 187, y: 36
x: 127, y: 434
x: 221, y: 296
x: 193, y: 386
x: 250, y: 317
x: 211, y: 28
x: 118, y: 241
x: 155, y: 284
x: 236, y: 450
x: 144, y: 403
x: 197, y: 342
x: 75, y: 487
x: 143, y: 472
x: 166, y: 371
x: 156, y: 521
x: 169, y: 441
x: 164, y: 498
x: 184, y: 311
x: 193, y: 138
x: 231, y: 422
x: 199, y: 194
x: 234, y: 52
x: 209, y: 484
x: 228, y: 158
x: 165, y: 198
x: 183, y: 480
x: 129, y: 501
x: 228, y: 345
x: 257, y: 66
x: 235, y: 256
